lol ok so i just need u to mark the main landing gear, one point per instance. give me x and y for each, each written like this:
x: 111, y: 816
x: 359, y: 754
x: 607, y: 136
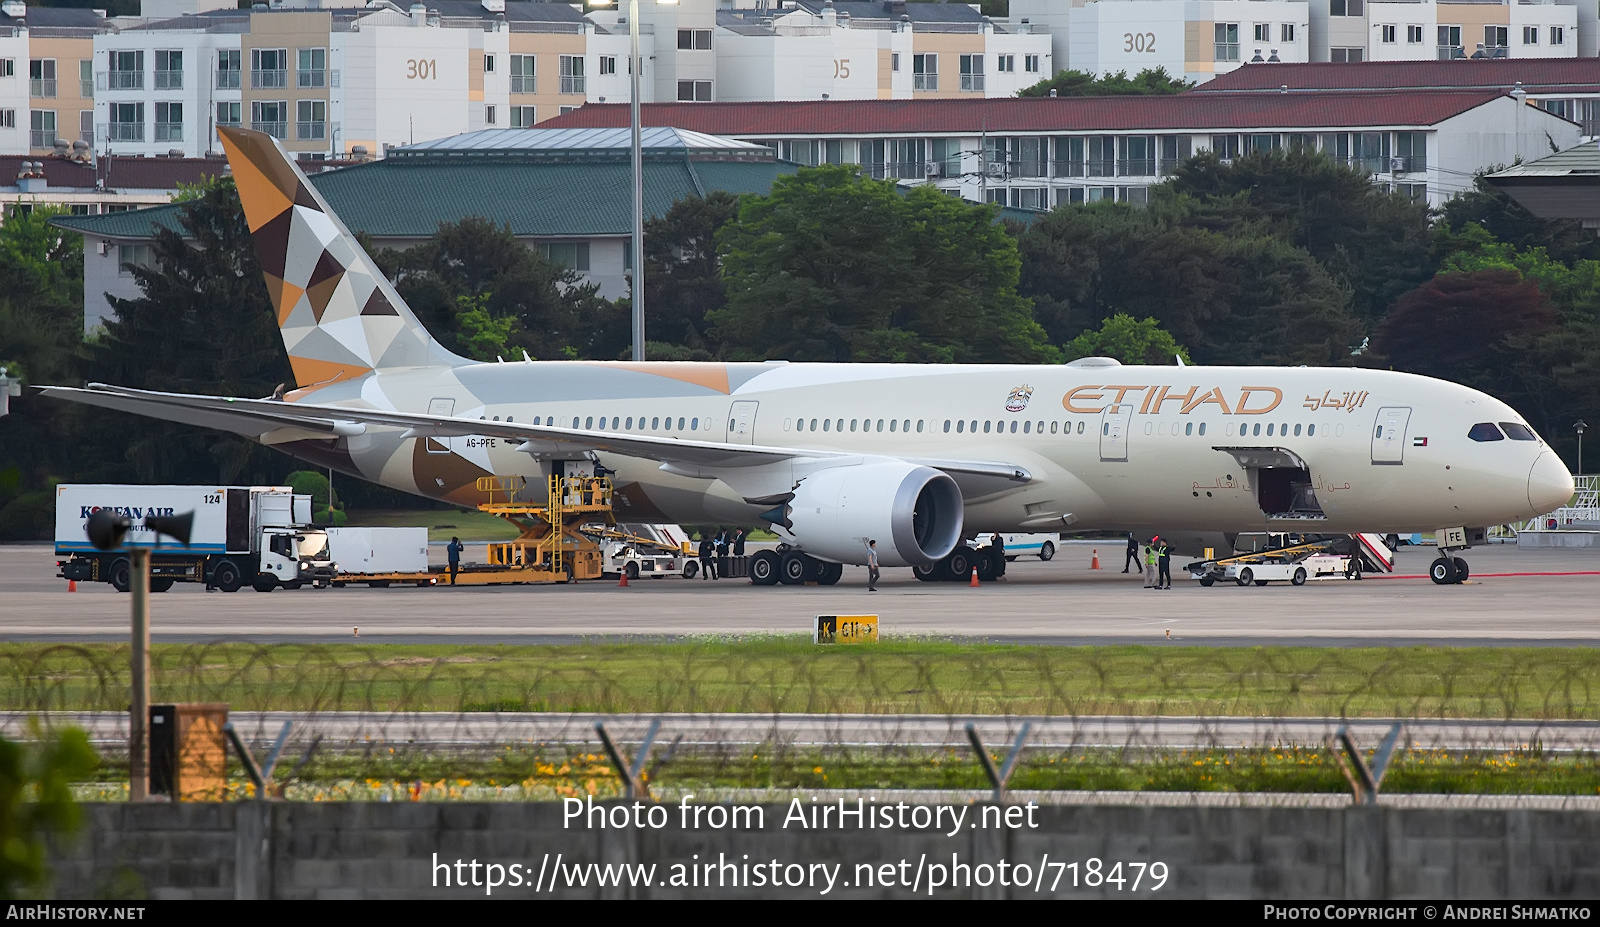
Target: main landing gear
x: 792, y: 568
x: 1448, y: 570
x: 956, y: 567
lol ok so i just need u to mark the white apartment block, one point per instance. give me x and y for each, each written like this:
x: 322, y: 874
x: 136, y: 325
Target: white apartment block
x: 1038, y: 153
x: 46, y: 86
x: 1358, y: 30
x: 1191, y: 39
x: 1197, y: 39
x: 819, y: 50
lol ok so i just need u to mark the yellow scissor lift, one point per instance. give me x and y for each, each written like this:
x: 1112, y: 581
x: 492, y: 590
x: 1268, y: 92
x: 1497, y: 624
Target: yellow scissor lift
x: 549, y: 547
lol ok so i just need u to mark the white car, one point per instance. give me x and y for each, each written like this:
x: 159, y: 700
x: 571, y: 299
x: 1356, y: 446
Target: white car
x: 1042, y: 546
x: 1317, y: 566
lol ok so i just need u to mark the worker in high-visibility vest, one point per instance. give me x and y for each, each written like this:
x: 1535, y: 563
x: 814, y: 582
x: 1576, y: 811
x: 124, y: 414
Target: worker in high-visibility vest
x: 1150, y: 564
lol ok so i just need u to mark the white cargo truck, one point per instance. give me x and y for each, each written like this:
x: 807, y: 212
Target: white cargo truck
x: 375, y: 555
x: 258, y: 536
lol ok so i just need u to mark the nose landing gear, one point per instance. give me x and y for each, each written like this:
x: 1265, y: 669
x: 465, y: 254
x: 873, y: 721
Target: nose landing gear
x: 1448, y: 570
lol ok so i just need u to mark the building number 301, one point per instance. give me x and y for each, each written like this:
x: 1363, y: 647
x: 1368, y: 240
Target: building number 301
x: 422, y: 69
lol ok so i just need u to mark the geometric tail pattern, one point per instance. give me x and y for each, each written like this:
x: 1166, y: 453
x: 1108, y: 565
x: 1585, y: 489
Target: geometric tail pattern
x: 339, y: 315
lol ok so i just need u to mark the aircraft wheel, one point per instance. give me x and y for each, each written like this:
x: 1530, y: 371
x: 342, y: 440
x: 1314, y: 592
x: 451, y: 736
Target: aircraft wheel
x: 957, y: 566
x: 1047, y: 551
x: 1461, y: 569
x: 795, y: 568
x: 763, y: 568
x: 927, y: 572
x: 1247, y: 576
x: 227, y: 577
x: 1299, y: 577
x: 1442, y: 571
x: 121, y: 575
x: 829, y: 573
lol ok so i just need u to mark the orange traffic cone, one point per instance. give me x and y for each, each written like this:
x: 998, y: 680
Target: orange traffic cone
x: 72, y: 585
x: 623, y: 582
x: 974, y: 583
x: 1094, y: 564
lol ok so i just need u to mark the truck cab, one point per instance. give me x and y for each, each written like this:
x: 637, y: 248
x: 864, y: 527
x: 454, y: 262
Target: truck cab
x: 292, y: 557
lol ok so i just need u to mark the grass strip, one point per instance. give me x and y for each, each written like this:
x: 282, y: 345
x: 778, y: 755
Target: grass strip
x: 784, y: 674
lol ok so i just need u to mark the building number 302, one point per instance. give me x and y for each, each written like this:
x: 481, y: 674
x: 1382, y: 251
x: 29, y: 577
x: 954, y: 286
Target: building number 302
x: 422, y: 69
x: 1138, y: 41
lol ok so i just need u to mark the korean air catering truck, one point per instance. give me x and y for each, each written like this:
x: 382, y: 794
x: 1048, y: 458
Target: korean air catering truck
x: 258, y: 536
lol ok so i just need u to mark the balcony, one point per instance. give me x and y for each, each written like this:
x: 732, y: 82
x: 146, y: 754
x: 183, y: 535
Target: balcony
x: 311, y: 78
x: 924, y: 82
x: 279, y: 130
x: 120, y: 80
x: 41, y: 138
x: 1101, y: 167
x: 524, y: 83
x: 572, y: 84
x: 42, y: 87
x: 122, y: 131
x: 228, y: 80
x: 1136, y: 167
x: 169, y: 131
x: 311, y: 131
x: 269, y: 80
x: 86, y: 89
x: 972, y: 83
x: 1066, y: 168
x: 169, y: 80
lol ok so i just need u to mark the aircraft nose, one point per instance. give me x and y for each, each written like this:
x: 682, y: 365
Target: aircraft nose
x: 1550, y: 486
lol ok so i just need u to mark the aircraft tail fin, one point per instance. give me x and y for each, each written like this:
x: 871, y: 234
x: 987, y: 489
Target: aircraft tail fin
x: 339, y: 316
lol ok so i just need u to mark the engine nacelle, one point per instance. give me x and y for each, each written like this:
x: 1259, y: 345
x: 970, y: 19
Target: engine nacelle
x: 914, y: 513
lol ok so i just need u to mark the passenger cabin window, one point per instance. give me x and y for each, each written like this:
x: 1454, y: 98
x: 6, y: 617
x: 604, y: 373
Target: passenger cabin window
x: 1485, y: 431
x: 1517, y: 432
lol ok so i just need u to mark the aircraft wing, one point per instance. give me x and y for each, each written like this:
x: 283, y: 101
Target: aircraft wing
x: 262, y: 419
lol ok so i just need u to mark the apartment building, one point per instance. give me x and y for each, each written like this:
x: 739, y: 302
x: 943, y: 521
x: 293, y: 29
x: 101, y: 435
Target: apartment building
x: 822, y: 50
x: 46, y: 81
x: 1192, y: 39
x: 1042, y: 152
x: 1566, y: 87
x: 1350, y: 31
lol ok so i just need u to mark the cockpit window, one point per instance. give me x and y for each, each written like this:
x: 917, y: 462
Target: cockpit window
x: 1485, y: 431
x: 1519, y: 432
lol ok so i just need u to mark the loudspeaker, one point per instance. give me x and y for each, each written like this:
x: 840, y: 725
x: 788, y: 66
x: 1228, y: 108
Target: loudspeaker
x: 173, y: 526
x: 106, y: 528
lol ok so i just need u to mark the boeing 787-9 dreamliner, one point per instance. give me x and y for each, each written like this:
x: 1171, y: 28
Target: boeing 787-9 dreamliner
x: 915, y: 456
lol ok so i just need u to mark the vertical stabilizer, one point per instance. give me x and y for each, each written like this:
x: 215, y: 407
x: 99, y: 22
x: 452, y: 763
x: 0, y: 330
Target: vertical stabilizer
x: 339, y: 316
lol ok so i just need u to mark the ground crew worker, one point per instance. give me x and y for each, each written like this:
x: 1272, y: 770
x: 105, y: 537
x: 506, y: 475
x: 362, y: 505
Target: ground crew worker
x: 997, y: 550
x: 708, y: 563
x: 872, y: 566
x: 1163, y: 565
x: 1133, y: 553
x: 453, y: 551
x: 1150, y: 563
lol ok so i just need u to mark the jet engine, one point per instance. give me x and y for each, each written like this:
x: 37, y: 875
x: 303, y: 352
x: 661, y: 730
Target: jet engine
x: 913, y: 512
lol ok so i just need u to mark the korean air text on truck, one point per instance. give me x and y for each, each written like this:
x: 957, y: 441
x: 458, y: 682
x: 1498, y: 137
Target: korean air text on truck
x: 257, y: 536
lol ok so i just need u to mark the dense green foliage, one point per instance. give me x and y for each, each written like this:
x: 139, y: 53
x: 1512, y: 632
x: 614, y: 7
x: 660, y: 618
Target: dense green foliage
x: 836, y: 267
x: 1070, y: 83
x: 1129, y: 340
x: 35, y: 801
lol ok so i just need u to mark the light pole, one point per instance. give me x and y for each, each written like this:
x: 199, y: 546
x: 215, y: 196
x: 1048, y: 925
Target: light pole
x: 1580, y: 428
x: 106, y: 530
x: 635, y: 67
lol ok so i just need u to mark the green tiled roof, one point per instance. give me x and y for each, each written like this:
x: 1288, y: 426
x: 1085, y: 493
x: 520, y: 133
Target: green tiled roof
x: 406, y: 198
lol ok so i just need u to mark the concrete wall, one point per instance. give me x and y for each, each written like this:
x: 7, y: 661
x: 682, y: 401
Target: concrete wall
x: 383, y: 850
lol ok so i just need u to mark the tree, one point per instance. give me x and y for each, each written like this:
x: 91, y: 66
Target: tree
x: 682, y: 276
x: 554, y: 314
x: 1457, y: 326
x: 1069, y: 83
x: 314, y: 484
x: 1492, y: 209
x: 1247, y: 298
x: 36, y: 800
x: 204, y: 324
x: 1372, y: 241
x: 832, y: 266
x: 1130, y: 340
